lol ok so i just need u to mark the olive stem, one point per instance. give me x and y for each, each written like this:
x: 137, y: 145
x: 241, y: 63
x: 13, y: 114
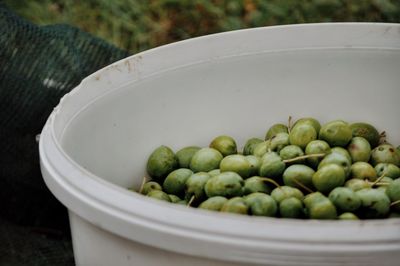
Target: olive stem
x: 142, y: 185
x: 270, y: 181
x: 394, y: 203
x: 304, y: 157
x: 302, y: 185
x: 190, y: 201
x: 379, y: 179
x: 289, y: 124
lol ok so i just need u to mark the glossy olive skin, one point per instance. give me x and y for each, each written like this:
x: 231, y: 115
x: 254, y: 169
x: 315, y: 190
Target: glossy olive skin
x: 359, y: 149
x: 158, y: 194
x: 366, y: 131
x: 261, y: 148
x: 161, y: 162
x: 385, y: 153
x: 185, y: 155
x: 236, y: 163
x: 284, y: 192
x: 328, y: 177
x: 275, y: 129
x: 336, y: 133
x: 345, y: 199
x: 348, y: 216
x: 261, y: 204
x: 213, y: 203
x: 374, y: 203
x: 149, y: 186
x: 291, y: 208
x: 342, y: 151
x: 298, y: 176
x: 194, y: 186
x: 363, y: 170
x: 302, y: 134
x: 226, y: 145
x: 250, y: 145
x: 214, y: 172
x: 205, y: 160
x: 235, y: 205
x: 316, y: 147
x: 393, y: 192
x: 175, y: 181
x: 271, y: 165
x: 256, y: 184
x: 226, y: 184
x: 174, y: 198
x: 319, y: 207
x: 255, y: 164
x: 389, y: 169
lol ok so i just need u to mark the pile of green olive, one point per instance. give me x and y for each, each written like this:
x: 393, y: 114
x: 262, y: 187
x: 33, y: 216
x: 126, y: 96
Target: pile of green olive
x: 334, y: 171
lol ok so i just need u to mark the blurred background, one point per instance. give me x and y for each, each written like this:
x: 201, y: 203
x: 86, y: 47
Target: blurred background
x: 136, y: 25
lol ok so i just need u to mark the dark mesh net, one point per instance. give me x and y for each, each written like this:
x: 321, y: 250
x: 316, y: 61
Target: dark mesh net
x: 38, y: 65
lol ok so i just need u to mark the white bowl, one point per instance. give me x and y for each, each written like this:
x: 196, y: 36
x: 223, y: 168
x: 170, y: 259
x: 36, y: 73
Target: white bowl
x: 97, y: 141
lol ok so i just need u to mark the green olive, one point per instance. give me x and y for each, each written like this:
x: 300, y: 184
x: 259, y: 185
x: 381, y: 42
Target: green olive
x: 336, y: 133
x: 302, y: 134
x: 275, y: 129
x: 278, y: 141
x: 356, y: 184
x: 385, y: 153
x: 345, y: 199
x: 310, y: 121
x: 214, y: 172
x: 174, y: 183
x: 291, y: 208
x: 256, y: 184
x: 261, y: 204
x: 205, y: 159
x: 319, y: 207
x: 393, y: 192
x: 261, y: 148
x: 389, y: 169
x: 226, y: 145
x: 290, y: 152
x: 161, y: 162
x: 363, y: 170
x: 194, y: 186
x: 185, y: 155
x: 236, y: 163
x: 348, y: 216
x: 338, y: 159
x: 343, y: 152
x: 284, y: 192
x: 359, y: 149
x: 158, y: 194
x: 250, y: 145
x: 174, y: 198
x: 226, y: 184
x: 235, y: 205
x: 299, y: 176
x: 213, y: 203
x: 374, y: 203
x: 255, y: 163
x: 272, y: 165
x: 366, y: 131
x: 384, y: 183
x: 328, y: 177
x: 316, y: 147
x: 149, y: 186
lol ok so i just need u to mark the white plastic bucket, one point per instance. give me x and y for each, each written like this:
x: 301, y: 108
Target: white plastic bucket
x: 96, y: 142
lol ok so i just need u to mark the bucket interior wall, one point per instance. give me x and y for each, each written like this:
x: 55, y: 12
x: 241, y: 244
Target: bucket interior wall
x: 239, y: 96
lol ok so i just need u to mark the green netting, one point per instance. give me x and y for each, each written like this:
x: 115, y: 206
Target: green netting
x: 38, y: 65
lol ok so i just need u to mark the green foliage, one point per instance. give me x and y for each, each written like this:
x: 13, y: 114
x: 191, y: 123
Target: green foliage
x: 137, y: 25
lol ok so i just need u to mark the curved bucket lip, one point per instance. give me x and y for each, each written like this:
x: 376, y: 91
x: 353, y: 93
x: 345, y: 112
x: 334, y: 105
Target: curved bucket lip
x: 197, y: 232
